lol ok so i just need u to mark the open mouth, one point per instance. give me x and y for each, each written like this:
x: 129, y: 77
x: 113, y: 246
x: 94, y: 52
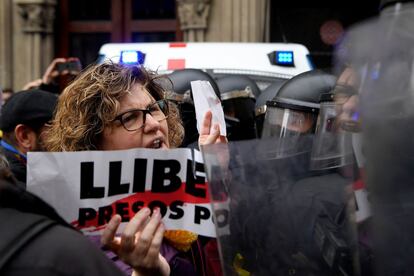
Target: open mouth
x: 156, y: 144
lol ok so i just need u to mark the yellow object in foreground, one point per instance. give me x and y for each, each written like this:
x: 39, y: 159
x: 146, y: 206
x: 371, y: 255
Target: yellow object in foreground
x: 238, y: 263
x: 180, y: 239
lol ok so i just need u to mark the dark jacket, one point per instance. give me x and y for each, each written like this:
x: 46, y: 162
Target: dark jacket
x: 56, y: 250
x: 17, y: 165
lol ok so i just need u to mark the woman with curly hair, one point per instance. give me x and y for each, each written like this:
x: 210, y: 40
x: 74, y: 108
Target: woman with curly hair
x: 112, y: 107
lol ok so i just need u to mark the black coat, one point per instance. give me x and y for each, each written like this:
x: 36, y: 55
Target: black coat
x: 56, y: 250
x: 17, y: 165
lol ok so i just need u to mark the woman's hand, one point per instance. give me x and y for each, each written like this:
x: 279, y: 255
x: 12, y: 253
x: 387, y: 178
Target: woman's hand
x: 210, y: 135
x: 140, y: 243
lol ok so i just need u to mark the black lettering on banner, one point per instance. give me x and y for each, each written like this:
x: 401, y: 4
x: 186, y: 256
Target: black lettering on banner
x: 140, y: 174
x: 193, y: 181
x: 160, y: 173
x: 159, y: 204
x: 86, y: 214
x: 222, y: 217
x: 176, y: 211
x: 200, y: 213
x: 87, y: 190
x: 104, y: 214
x: 136, y: 206
x: 115, y: 187
x: 121, y: 208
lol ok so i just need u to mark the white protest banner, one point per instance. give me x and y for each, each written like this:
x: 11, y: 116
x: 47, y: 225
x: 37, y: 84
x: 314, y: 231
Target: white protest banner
x: 87, y: 188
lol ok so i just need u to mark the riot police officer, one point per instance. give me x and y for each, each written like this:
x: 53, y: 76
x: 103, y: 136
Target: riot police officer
x: 292, y: 114
x: 238, y: 100
x: 266, y: 95
x: 285, y: 219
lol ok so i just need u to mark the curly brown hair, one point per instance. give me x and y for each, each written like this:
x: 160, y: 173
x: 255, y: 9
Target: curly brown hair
x: 91, y: 102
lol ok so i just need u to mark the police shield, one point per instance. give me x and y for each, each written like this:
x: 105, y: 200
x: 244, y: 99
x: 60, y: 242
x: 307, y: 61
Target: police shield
x: 274, y: 216
x: 381, y: 53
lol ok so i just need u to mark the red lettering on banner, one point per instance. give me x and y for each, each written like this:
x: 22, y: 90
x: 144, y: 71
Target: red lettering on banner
x: 131, y: 204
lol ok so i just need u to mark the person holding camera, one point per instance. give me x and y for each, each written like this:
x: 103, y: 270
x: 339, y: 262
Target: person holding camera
x: 59, y: 73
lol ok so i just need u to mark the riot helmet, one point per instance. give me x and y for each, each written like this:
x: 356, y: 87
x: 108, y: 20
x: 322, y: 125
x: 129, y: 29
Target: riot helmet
x: 182, y: 96
x: 238, y: 95
x: 293, y: 113
x: 260, y: 109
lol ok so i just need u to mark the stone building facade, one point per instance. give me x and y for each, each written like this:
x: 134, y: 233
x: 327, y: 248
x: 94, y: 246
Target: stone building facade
x: 27, y: 35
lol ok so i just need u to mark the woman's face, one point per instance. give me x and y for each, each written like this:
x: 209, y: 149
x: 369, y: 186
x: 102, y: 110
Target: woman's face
x: 154, y: 134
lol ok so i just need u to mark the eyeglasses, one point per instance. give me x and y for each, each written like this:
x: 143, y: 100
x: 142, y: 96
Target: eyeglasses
x: 134, y: 119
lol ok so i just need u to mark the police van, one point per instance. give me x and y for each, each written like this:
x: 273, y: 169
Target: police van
x: 265, y: 63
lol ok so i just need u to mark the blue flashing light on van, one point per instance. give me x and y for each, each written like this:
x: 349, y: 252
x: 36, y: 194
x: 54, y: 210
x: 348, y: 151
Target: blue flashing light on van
x: 132, y: 57
x: 284, y: 58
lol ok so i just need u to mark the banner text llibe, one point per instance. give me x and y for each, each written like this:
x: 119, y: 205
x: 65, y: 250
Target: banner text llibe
x: 168, y: 191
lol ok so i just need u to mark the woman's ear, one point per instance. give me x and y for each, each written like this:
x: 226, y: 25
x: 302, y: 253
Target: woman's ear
x: 26, y: 138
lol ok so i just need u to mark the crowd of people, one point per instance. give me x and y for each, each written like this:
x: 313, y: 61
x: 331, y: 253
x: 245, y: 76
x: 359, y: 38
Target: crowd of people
x: 114, y: 107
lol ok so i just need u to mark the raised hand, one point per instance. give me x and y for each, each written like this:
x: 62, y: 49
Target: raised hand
x: 210, y: 135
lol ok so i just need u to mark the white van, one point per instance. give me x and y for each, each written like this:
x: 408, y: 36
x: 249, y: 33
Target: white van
x: 263, y: 62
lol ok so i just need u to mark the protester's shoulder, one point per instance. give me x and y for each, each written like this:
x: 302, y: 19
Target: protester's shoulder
x: 60, y: 250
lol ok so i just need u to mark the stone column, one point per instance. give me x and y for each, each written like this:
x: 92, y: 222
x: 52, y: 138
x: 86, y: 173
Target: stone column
x: 193, y: 16
x: 6, y: 45
x: 33, y: 39
x: 239, y: 21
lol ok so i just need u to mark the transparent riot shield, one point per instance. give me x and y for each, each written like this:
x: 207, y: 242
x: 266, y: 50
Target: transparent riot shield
x: 381, y: 53
x: 276, y: 217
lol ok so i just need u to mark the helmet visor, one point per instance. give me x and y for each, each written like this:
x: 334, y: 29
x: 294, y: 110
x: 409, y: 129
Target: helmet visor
x: 288, y: 127
x: 332, y: 146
